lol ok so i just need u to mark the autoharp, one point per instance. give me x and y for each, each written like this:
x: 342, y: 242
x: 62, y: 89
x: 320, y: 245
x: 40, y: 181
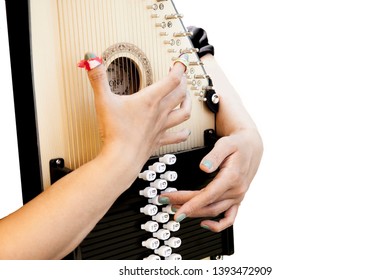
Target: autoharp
x: 56, y: 123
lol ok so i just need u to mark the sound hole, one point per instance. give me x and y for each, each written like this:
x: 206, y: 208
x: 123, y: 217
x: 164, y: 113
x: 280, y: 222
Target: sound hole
x: 123, y: 76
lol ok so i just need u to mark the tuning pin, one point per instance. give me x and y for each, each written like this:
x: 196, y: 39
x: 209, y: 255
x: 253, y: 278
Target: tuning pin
x: 173, y: 16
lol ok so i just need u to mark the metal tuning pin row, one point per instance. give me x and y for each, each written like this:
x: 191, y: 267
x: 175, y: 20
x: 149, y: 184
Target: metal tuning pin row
x: 161, y: 227
x: 177, y: 41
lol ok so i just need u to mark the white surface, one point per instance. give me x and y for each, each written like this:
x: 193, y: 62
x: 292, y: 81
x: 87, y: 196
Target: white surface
x: 10, y: 186
x: 315, y: 77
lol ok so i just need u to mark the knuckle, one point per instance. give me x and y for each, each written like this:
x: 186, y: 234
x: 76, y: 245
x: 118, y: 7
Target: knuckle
x: 186, y: 115
x: 96, y: 75
x: 175, y: 80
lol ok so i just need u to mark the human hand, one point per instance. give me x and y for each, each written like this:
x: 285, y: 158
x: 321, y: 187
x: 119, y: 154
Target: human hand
x: 237, y: 157
x: 140, y: 121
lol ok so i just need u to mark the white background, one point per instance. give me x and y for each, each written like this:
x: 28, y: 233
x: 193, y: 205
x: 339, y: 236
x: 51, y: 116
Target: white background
x: 315, y: 77
x: 10, y: 187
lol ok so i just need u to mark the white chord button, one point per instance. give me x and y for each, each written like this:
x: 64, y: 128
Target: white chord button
x: 168, y: 159
x: 154, y: 201
x: 173, y: 242
x: 168, y: 209
x: 172, y: 226
x: 159, y: 184
x: 148, y: 175
x: 150, y: 226
x: 153, y: 257
x: 161, y: 217
x: 158, y: 167
x: 163, y: 251
x: 174, y: 257
x: 170, y: 176
x: 151, y: 243
x: 148, y: 192
x: 149, y: 209
x: 162, y: 234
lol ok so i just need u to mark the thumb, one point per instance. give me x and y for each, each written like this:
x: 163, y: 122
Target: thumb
x: 222, y: 149
x: 96, y: 74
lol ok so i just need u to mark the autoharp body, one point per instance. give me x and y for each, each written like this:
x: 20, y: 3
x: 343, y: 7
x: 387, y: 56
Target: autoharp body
x: 138, y: 41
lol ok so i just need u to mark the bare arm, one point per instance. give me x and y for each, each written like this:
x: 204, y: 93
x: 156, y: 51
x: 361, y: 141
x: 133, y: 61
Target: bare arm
x: 237, y: 154
x: 133, y: 127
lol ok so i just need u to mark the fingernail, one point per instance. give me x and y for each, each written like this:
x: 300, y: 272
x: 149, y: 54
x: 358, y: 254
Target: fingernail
x: 205, y: 227
x: 163, y: 200
x: 181, y: 218
x: 174, y: 209
x: 207, y: 163
x: 89, y: 55
x: 183, y: 59
x: 184, y: 56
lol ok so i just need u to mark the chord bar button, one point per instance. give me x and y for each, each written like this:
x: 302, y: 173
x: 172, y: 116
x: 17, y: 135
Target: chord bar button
x: 168, y: 159
x: 147, y: 175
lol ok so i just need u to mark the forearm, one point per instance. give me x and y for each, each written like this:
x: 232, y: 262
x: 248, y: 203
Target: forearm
x: 232, y: 115
x: 55, y: 222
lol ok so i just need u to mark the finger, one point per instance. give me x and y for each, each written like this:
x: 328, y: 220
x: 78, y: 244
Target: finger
x: 224, y: 223
x: 96, y: 74
x: 222, y: 149
x: 181, y: 114
x: 190, y: 208
x: 166, y: 85
x: 174, y: 137
x: 176, y: 97
x: 214, y: 209
x: 179, y: 197
x: 216, y: 190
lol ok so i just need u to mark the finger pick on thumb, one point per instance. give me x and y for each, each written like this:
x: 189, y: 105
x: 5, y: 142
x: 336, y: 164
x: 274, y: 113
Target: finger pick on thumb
x: 96, y: 73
